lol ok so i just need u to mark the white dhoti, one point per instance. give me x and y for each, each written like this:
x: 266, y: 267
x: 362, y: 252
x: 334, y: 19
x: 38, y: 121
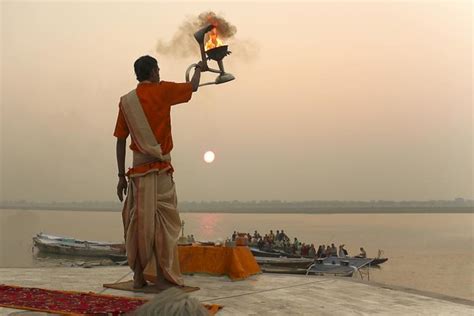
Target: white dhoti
x: 152, y: 225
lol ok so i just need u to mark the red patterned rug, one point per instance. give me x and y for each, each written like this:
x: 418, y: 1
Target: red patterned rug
x: 69, y: 302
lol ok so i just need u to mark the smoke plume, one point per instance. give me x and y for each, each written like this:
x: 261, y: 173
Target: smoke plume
x: 183, y: 44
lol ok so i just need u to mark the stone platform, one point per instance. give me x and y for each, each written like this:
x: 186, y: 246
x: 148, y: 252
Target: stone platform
x: 263, y: 294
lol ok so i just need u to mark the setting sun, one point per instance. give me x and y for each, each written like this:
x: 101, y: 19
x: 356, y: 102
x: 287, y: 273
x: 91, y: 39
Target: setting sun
x: 209, y: 156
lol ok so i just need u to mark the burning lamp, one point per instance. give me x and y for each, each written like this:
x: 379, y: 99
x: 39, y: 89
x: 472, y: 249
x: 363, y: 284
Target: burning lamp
x: 215, y: 50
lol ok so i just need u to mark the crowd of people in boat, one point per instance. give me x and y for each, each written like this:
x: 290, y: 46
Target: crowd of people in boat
x: 280, y: 241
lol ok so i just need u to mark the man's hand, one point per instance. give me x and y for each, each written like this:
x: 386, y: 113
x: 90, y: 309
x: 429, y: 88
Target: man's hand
x: 197, y: 75
x: 121, y: 188
x: 202, y: 66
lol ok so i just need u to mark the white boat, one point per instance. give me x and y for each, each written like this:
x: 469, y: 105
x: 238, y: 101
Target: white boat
x: 338, y: 266
x: 76, y: 247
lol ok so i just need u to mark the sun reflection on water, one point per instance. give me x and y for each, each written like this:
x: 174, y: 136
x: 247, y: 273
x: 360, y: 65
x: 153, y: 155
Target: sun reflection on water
x: 209, y: 225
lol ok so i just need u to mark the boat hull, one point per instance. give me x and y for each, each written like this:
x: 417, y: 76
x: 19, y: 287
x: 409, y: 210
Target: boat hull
x: 272, y: 254
x: 297, y: 263
x: 378, y: 261
x: 331, y: 269
x: 81, y: 249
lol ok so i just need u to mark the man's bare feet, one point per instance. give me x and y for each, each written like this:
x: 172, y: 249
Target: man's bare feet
x: 139, y: 281
x: 164, y: 284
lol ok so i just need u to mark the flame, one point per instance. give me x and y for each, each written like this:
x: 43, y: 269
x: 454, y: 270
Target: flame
x: 214, y: 40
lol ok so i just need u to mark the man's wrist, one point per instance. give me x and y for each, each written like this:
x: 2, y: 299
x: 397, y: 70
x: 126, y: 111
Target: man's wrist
x: 121, y: 175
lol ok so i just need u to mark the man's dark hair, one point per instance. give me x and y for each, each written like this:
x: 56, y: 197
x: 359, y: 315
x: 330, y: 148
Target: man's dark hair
x: 144, y: 66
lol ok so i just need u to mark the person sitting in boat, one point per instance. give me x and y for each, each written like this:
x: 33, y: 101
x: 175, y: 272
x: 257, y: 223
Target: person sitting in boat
x: 320, y: 252
x: 277, y: 235
x: 342, y: 251
x: 295, y: 246
x: 234, y: 235
x: 284, y: 236
x: 362, y: 254
x: 271, y: 236
x: 277, y: 243
x: 312, y: 251
x: 303, y: 250
x: 287, y: 247
x: 296, y: 242
x: 268, y: 245
x: 328, y: 251
x: 333, y: 251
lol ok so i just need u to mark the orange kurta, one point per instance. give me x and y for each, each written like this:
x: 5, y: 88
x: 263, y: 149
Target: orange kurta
x: 156, y: 100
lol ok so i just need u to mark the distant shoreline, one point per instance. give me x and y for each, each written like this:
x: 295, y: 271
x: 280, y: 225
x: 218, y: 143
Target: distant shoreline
x: 391, y: 210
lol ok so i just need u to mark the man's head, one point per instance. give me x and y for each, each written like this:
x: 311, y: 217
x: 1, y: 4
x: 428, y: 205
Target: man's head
x: 146, y: 68
x: 174, y: 302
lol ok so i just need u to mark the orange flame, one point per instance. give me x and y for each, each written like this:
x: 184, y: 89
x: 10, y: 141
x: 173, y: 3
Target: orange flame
x: 214, y: 40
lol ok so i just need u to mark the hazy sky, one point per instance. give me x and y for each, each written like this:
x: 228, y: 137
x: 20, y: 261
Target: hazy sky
x: 344, y: 100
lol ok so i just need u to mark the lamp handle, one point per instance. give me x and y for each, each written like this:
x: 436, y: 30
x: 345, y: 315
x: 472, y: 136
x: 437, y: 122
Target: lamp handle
x: 188, y: 71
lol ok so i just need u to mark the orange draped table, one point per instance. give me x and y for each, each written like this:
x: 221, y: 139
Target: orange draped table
x: 236, y: 262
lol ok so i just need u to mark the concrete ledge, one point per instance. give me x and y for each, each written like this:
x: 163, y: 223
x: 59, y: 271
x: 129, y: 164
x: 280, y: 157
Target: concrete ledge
x: 264, y: 294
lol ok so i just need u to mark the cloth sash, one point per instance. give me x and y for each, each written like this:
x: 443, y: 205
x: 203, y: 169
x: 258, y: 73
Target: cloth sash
x: 141, y: 159
x: 139, y: 127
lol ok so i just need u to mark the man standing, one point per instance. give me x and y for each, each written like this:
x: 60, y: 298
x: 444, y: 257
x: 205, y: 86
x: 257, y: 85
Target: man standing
x: 150, y: 217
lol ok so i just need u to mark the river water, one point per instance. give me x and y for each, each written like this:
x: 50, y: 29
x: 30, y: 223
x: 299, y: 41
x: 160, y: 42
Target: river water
x: 429, y: 252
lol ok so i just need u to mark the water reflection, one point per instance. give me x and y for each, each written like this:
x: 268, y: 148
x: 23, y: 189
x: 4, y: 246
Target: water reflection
x: 209, y: 226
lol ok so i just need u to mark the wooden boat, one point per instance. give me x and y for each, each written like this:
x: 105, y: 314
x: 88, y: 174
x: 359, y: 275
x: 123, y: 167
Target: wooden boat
x: 260, y: 253
x: 299, y: 263
x: 315, y: 269
x: 374, y: 262
x: 320, y: 268
x: 378, y: 261
x: 76, y: 247
x: 348, y: 261
x: 80, y: 241
x: 338, y: 266
x: 282, y: 270
x: 274, y: 253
